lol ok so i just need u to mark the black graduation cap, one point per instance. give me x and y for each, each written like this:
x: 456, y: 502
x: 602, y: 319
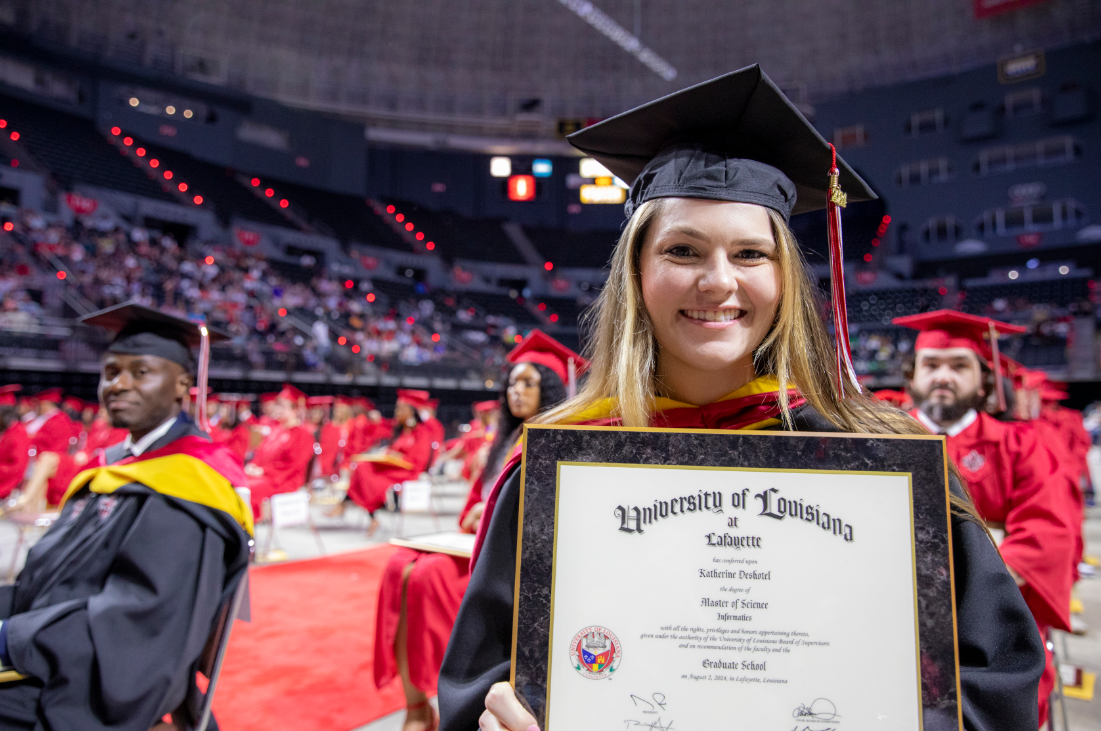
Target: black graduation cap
x: 141, y: 330
x: 734, y: 138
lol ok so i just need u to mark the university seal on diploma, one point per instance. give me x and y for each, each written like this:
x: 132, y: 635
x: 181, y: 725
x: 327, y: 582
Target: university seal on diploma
x: 770, y: 578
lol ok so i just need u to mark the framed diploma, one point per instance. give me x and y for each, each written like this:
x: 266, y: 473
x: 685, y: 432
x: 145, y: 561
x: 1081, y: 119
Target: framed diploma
x: 673, y: 580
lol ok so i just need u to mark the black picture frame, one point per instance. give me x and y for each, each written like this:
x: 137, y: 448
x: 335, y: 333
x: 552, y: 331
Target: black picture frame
x: 923, y: 457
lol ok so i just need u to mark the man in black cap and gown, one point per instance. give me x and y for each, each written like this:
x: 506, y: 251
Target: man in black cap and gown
x: 106, y: 624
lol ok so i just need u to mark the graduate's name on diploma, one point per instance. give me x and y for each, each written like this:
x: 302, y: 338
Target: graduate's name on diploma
x: 635, y: 519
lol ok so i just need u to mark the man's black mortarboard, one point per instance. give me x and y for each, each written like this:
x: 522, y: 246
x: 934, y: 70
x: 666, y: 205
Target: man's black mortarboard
x: 735, y: 138
x: 141, y: 330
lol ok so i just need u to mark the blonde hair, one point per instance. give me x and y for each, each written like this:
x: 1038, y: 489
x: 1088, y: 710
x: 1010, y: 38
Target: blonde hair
x: 797, y: 350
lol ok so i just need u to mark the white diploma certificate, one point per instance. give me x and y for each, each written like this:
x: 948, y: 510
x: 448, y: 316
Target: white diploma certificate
x: 688, y: 598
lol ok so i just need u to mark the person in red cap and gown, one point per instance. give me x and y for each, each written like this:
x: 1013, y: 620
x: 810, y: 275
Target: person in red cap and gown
x: 14, y: 443
x: 1031, y: 409
x: 51, y: 432
x: 230, y: 430
x: 101, y: 435
x: 435, y: 427
x: 334, y: 439
x: 405, y: 459
x: 1016, y: 482
x: 472, y: 445
x: 280, y: 461
x: 420, y: 593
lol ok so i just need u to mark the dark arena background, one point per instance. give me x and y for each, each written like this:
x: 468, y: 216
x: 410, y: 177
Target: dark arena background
x: 371, y: 196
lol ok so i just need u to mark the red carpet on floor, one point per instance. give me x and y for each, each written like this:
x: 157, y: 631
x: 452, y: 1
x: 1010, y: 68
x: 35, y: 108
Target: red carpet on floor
x: 305, y: 661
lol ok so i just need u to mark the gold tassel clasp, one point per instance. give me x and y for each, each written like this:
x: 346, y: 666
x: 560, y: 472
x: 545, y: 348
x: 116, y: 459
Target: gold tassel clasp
x: 837, y: 195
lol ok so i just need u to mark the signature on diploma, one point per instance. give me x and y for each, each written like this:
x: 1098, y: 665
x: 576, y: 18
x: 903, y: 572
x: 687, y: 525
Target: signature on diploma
x: 822, y: 710
x: 653, y: 725
x: 653, y: 704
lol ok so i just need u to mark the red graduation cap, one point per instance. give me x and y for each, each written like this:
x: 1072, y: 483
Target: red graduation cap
x: 417, y: 399
x: 542, y: 349
x: 951, y: 329
x: 319, y: 401
x: 292, y: 394
x: 481, y: 407
x: 73, y: 403
x: 267, y: 398
x: 7, y: 394
x: 50, y: 395
x: 1052, y: 395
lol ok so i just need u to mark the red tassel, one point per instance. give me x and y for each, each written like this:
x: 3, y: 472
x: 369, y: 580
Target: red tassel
x: 836, y: 201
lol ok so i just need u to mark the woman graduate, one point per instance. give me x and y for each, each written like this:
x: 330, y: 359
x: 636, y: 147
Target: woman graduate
x: 421, y: 592
x: 279, y: 463
x: 407, y: 457
x: 709, y: 319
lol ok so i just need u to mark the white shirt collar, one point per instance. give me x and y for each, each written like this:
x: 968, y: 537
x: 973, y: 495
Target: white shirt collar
x: 952, y: 429
x: 138, y: 447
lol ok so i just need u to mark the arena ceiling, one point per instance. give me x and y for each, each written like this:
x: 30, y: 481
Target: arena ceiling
x: 513, y: 68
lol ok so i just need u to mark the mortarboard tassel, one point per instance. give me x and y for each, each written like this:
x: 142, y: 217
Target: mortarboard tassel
x: 204, y: 372
x: 837, y: 201
x: 999, y: 388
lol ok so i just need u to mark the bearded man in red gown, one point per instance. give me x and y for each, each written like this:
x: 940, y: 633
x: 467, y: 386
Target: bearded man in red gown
x: 1015, y: 481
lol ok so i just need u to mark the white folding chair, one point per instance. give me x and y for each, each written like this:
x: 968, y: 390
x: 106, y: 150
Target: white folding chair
x: 414, y: 496
x: 289, y: 509
x: 27, y: 523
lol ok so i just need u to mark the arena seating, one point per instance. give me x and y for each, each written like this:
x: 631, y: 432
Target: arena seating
x: 881, y: 305
x: 398, y: 325
x: 344, y: 217
x: 992, y: 299
x: 219, y: 186
x: 459, y: 237
x: 587, y: 249
x: 72, y: 149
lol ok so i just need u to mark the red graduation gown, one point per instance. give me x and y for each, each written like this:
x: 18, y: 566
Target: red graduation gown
x: 14, y: 455
x: 284, y: 455
x: 1015, y: 480
x: 334, y: 440
x: 433, y: 595
x: 54, y: 436
x: 235, y: 439
x: 435, y: 431
x: 370, y: 480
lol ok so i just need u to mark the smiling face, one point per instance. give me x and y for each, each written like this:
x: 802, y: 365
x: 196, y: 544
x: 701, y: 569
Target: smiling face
x: 710, y: 280
x: 141, y: 392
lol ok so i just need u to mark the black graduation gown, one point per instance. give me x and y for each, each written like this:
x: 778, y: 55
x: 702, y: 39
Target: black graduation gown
x: 1001, y: 653
x: 112, y: 611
